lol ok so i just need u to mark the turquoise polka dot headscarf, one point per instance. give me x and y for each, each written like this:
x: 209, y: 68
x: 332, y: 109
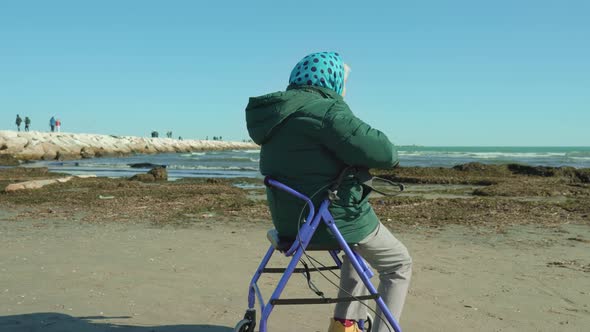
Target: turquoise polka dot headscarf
x: 325, y: 69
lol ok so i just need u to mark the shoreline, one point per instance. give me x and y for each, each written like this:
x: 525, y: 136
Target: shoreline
x: 471, y: 194
x: 16, y: 147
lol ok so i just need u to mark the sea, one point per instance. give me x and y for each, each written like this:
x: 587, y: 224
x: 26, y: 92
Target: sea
x: 244, y: 163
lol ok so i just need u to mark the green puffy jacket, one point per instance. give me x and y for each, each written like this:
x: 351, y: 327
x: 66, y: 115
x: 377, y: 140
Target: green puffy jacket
x: 308, y: 135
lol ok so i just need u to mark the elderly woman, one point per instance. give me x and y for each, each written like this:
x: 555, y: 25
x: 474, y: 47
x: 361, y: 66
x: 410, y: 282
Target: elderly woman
x: 308, y: 135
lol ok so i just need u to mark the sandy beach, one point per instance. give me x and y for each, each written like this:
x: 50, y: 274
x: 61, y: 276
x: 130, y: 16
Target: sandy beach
x: 493, y: 250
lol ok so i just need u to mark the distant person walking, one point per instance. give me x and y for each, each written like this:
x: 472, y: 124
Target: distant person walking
x: 18, y: 122
x: 58, y: 125
x: 52, y: 123
x: 27, y: 123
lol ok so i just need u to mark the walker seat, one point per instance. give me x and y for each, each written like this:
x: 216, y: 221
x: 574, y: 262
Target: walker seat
x: 282, y: 244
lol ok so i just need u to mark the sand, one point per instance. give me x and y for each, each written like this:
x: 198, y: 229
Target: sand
x: 64, y: 276
x: 495, y: 248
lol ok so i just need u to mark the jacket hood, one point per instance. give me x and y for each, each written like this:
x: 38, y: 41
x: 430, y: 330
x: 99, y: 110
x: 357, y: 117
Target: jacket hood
x: 266, y: 113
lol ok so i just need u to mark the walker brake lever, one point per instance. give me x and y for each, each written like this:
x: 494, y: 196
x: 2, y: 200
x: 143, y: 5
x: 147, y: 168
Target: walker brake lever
x: 333, y: 195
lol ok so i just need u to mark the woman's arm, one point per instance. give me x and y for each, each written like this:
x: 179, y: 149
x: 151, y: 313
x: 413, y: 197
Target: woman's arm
x: 355, y: 142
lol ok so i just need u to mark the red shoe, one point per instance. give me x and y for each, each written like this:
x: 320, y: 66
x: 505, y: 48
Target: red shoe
x: 338, y: 325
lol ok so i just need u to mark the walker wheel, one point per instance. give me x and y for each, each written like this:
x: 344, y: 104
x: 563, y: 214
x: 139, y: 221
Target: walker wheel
x: 248, y: 323
x: 245, y: 325
x: 369, y: 323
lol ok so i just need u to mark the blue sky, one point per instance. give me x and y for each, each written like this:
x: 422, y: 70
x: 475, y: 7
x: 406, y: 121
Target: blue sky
x: 511, y: 73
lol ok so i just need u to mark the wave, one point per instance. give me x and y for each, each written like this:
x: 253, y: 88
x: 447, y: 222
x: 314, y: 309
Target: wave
x: 483, y: 155
x: 254, y: 160
x: 245, y: 162
x: 125, y: 167
x: 82, y: 165
x: 193, y: 154
x: 199, y: 167
x: 229, y: 159
x: 518, y: 155
x: 247, y: 151
x: 578, y: 154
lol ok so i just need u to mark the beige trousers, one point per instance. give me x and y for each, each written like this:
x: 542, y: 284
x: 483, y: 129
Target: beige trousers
x: 392, y: 262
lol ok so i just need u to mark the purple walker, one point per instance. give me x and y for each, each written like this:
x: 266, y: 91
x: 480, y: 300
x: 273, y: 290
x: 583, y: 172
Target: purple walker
x: 296, y: 249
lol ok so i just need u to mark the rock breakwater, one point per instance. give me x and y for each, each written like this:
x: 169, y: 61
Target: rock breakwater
x: 58, y: 146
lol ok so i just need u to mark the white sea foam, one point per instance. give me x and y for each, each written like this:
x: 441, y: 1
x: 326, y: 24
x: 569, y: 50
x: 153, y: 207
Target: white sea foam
x: 200, y: 167
x: 578, y: 154
x: 85, y: 165
x: 193, y: 154
x: 247, y: 151
x: 482, y: 155
x: 516, y: 155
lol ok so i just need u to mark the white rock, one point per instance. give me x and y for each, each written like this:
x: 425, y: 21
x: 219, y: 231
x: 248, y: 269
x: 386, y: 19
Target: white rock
x: 36, y: 184
x: 37, y: 145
